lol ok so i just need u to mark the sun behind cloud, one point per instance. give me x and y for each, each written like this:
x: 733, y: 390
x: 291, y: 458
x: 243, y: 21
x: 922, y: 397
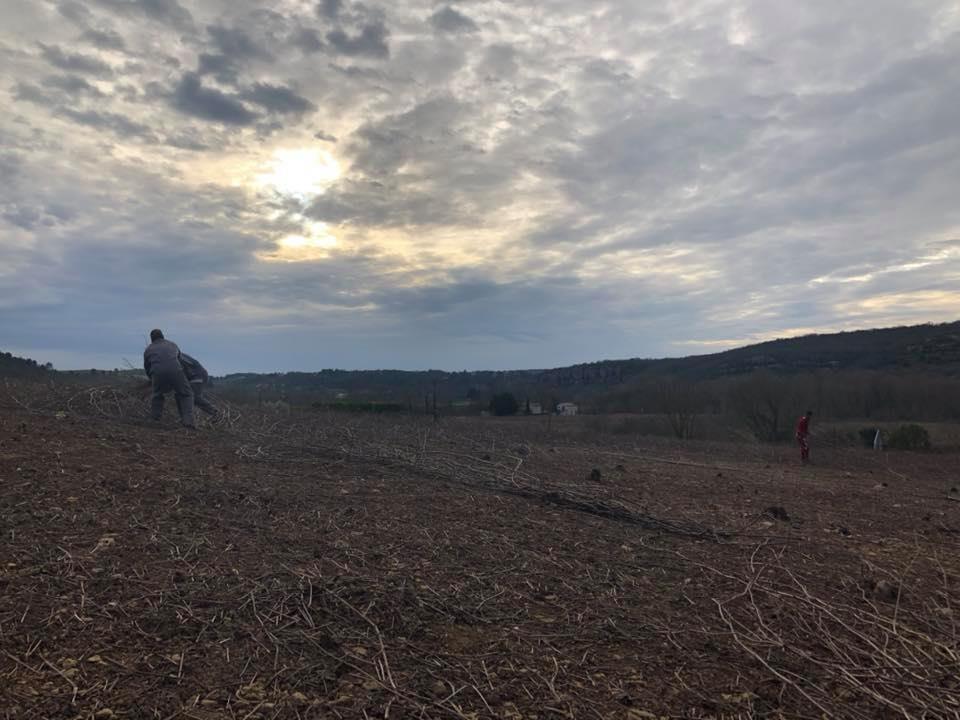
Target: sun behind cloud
x: 300, y: 173
x: 314, y: 243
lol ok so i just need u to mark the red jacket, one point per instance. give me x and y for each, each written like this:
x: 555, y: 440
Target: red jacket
x: 803, y: 426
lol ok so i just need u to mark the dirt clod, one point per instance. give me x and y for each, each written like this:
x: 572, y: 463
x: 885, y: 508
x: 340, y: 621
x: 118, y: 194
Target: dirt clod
x: 777, y: 512
x: 886, y: 591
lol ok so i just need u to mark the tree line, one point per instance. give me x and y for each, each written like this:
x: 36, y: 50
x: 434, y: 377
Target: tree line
x: 768, y: 403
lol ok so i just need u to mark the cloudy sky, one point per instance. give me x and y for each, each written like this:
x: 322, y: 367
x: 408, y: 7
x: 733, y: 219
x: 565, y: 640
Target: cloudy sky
x: 471, y: 185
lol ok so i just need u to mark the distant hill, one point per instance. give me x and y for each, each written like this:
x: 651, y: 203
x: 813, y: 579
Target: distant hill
x: 933, y: 348
x: 13, y: 366
x: 927, y: 348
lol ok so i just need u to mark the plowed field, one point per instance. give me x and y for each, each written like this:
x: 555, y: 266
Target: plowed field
x: 331, y: 566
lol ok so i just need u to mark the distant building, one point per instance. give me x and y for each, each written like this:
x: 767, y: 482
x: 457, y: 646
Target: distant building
x: 567, y: 408
x: 535, y: 408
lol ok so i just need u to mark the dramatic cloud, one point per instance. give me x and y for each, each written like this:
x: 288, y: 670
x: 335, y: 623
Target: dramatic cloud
x: 315, y: 183
x: 191, y: 98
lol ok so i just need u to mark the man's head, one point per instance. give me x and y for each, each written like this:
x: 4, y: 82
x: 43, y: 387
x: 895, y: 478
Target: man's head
x: 809, y: 413
x: 156, y: 335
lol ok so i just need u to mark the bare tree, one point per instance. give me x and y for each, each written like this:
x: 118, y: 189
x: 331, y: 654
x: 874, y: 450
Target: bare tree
x: 762, y: 400
x: 682, y: 403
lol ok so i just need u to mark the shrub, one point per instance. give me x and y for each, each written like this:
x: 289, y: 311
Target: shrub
x: 869, y: 434
x: 504, y: 404
x: 909, y: 437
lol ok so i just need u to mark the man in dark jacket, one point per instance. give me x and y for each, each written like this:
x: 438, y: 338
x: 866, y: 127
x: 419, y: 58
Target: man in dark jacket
x: 199, y: 379
x: 161, y: 362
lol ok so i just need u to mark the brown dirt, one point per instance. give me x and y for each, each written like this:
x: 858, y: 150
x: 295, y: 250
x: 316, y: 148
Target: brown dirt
x: 259, y: 571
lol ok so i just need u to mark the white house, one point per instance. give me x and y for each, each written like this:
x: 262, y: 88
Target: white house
x: 567, y: 408
x: 535, y: 408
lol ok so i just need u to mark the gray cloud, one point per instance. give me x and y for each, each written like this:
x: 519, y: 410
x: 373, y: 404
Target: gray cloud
x: 278, y: 99
x: 73, y: 84
x: 58, y: 95
x: 237, y: 44
x: 357, y: 72
x: 223, y: 68
x: 371, y: 41
x: 34, y: 94
x: 74, y: 10
x: 25, y: 218
x: 380, y: 204
x: 235, y: 49
x: 169, y: 12
x: 448, y: 19
x: 330, y: 8
x: 191, y: 98
x: 75, y: 62
x: 9, y: 165
x: 308, y: 40
x: 379, y: 148
x: 104, y: 39
x: 419, y: 167
x: 188, y: 140
x: 114, y: 122
x: 500, y: 60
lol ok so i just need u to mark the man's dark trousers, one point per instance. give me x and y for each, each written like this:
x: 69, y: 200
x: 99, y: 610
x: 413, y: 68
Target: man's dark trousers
x: 167, y: 380
x: 200, y: 401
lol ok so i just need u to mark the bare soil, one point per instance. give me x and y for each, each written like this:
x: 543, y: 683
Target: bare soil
x: 328, y: 566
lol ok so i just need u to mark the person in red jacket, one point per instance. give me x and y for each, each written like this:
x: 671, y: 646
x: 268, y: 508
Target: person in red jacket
x: 803, y: 435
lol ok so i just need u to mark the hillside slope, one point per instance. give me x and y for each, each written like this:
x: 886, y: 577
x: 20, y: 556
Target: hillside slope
x: 13, y: 366
x: 932, y: 348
